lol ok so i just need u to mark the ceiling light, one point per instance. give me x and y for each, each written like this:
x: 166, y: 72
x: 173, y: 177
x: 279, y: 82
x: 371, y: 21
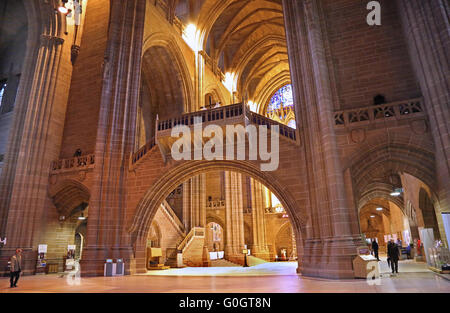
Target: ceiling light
x: 81, y: 217
x: 372, y: 216
x: 379, y: 209
x: 62, y: 9
x: 397, y: 192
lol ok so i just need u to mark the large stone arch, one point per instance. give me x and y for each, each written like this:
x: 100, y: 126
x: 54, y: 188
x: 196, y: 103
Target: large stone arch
x: 394, y: 158
x: 178, y: 172
x: 170, y: 45
x: 175, y: 176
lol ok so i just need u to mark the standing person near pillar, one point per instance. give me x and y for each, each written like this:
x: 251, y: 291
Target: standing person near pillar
x: 393, y: 255
x: 16, y: 268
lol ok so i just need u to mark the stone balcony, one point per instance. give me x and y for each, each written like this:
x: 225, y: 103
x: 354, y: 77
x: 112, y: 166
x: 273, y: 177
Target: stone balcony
x: 379, y: 114
x: 86, y: 162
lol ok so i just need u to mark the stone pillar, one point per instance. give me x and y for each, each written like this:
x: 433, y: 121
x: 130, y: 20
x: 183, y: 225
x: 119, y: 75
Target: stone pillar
x: 187, y: 205
x: 425, y: 25
x: 234, y: 217
x: 331, y: 244
x: 34, y: 142
x: 197, y: 206
x: 259, y: 248
x: 106, y: 234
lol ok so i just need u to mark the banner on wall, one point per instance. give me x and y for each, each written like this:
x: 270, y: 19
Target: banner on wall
x: 446, y: 219
x: 427, y: 237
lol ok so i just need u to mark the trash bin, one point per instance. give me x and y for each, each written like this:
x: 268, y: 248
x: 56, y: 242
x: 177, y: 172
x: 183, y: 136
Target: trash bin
x: 120, y: 267
x: 109, y: 270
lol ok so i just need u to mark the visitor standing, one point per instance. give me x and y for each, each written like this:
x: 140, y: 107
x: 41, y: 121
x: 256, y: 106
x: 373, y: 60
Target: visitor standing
x: 375, y: 249
x: 16, y: 268
x: 393, y: 255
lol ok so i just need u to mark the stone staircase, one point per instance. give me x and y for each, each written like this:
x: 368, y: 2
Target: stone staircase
x: 192, y: 247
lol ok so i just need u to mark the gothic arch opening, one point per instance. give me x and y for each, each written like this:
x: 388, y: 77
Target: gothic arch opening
x: 165, y: 88
x: 219, y: 195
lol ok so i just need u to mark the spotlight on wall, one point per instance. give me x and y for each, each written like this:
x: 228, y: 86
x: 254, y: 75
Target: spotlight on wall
x: 62, y: 8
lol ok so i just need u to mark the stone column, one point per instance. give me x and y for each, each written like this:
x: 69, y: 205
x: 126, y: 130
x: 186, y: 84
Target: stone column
x: 34, y: 142
x: 426, y: 27
x: 187, y: 205
x: 259, y: 248
x: 234, y: 217
x: 331, y: 244
x: 197, y: 216
x: 106, y: 234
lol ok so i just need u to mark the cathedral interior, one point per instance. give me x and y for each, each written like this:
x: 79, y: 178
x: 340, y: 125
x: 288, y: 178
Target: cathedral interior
x: 91, y: 90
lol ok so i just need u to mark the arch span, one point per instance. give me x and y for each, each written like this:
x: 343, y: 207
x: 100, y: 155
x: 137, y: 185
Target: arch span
x: 152, y: 199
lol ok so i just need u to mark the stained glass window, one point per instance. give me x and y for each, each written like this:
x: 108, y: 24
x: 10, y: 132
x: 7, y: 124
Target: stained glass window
x: 281, y: 99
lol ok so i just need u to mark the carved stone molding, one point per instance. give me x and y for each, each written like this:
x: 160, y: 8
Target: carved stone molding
x: 47, y: 39
x: 358, y: 135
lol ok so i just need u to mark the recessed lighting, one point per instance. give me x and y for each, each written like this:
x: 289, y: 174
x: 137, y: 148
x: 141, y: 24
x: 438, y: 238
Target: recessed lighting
x: 379, y: 209
x: 62, y: 9
x: 397, y: 192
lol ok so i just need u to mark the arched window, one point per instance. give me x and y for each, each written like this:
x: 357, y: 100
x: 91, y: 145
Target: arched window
x: 281, y: 106
x: 283, y: 98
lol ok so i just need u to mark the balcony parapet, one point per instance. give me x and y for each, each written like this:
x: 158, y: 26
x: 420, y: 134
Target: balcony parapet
x: 372, y: 114
x: 73, y: 164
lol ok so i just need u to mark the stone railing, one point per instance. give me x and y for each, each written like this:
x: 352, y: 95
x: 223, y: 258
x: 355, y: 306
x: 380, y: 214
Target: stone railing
x: 275, y: 210
x: 371, y: 114
x: 173, y: 217
x: 143, y: 151
x: 217, y: 114
x: 231, y: 113
x: 285, y: 131
x: 215, y: 205
x: 75, y: 163
x: 195, y: 232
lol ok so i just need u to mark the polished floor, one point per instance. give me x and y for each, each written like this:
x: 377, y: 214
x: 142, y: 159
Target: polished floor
x: 264, y: 278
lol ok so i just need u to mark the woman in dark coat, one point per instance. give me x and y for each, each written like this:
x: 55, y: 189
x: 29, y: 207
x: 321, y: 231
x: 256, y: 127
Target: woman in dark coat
x: 394, y: 255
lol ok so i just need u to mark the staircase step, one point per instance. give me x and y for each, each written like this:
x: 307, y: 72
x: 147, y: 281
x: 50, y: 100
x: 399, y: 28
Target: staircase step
x: 253, y: 261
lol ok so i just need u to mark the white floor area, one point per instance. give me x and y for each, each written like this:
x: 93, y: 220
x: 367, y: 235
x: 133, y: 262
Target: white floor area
x: 277, y: 269
x: 266, y: 269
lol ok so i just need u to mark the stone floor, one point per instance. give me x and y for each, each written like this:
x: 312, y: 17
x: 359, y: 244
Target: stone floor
x: 264, y: 278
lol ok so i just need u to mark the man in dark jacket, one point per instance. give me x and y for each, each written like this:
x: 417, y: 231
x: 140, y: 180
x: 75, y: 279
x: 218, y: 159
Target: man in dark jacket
x: 16, y: 267
x: 375, y: 248
x: 393, y: 255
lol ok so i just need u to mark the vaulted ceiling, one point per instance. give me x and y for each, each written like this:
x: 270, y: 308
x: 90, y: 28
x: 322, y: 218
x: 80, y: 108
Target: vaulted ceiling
x: 243, y: 37
x: 248, y: 39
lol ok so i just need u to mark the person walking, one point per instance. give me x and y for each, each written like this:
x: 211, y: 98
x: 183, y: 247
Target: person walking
x: 375, y: 249
x: 393, y: 255
x: 16, y: 268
